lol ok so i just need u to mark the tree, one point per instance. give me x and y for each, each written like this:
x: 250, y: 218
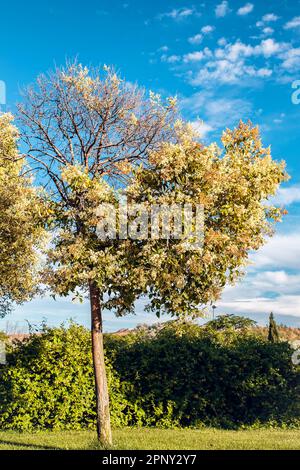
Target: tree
x: 85, y: 131
x: 235, y: 322
x: 95, y: 139
x: 273, y: 335
x: 21, y: 231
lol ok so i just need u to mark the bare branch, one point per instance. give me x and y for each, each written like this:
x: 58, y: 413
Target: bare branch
x: 79, y: 117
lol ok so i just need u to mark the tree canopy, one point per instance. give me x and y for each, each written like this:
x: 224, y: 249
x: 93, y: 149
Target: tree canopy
x: 21, y: 231
x: 233, y: 184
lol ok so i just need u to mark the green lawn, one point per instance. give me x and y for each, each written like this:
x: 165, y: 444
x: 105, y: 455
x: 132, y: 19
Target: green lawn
x: 156, y: 439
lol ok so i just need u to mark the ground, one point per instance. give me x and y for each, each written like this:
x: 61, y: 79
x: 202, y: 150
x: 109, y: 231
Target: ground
x: 179, y: 439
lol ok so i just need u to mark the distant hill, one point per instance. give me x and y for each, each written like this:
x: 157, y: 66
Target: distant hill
x: 285, y: 332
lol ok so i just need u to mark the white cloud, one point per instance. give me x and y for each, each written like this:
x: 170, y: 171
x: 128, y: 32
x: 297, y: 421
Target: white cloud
x: 196, y: 102
x: 266, y: 48
x: 270, y: 278
x: 236, y: 50
x: 281, y: 251
x: 291, y: 59
x: 171, y: 59
x: 227, y: 72
x: 217, y: 113
x: 278, y: 282
x: 246, y: 9
x: 294, y: 23
x: 263, y: 292
x: 231, y: 63
x: 268, y: 30
x: 269, y: 47
x: 178, y: 14
x: 207, y: 29
x: 193, y: 56
x: 222, y: 9
x: 263, y: 72
x: 284, y: 305
x: 226, y: 112
x: 197, y: 39
x: 201, y: 127
x: 222, y: 41
x: 270, y: 17
x: 287, y: 196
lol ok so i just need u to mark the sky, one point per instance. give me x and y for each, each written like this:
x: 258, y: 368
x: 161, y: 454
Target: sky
x: 225, y: 61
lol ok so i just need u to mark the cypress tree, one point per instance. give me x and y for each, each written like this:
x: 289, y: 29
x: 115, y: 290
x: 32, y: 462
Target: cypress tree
x: 273, y: 335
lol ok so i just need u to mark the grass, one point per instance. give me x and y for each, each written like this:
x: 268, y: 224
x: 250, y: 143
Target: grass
x: 145, y: 438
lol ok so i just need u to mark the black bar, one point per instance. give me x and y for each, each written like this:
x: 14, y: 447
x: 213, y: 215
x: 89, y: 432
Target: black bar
x: 138, y: 458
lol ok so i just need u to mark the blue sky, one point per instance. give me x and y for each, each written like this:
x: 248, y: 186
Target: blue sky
x: 225, y: 60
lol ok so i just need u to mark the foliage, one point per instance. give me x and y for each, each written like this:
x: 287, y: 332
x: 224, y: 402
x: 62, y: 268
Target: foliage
x: 222, y: 378
x: 273, y: 334
x: 233, y: 184
x: 48, y: 382
x: 6, y: 306
x: 223, y: 322
x: 3, y: 336
x: 177, y: 374
x: 21, y: 233
x: 78, y: 255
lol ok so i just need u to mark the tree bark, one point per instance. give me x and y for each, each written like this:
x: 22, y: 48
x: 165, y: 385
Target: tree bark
x: 102, y: 397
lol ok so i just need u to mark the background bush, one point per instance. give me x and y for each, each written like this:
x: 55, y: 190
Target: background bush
x: 178, y: 374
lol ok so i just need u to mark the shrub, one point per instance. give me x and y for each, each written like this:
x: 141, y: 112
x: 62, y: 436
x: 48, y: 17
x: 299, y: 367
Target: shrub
x: 224, y: 377
x: 178, y: 374
x: 48, y: 382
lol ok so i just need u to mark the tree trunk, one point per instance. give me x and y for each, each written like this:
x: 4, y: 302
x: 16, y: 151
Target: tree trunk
x: 102, y: 397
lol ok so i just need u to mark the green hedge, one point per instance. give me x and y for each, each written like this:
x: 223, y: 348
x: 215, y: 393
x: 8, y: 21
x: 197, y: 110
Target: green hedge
x: 178, y: 375
x: 48, y: 383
